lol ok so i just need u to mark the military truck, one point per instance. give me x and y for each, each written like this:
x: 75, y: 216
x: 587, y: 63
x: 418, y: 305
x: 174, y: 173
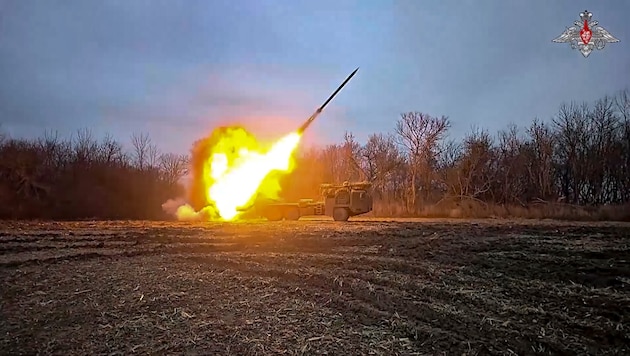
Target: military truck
x: 338, y: 201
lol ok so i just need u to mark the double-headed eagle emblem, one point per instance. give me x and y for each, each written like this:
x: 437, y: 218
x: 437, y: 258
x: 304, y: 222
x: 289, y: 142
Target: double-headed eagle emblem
x: 586, y: 35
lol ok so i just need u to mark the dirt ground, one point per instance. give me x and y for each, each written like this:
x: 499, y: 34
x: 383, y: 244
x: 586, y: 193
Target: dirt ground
x: 389, y: 287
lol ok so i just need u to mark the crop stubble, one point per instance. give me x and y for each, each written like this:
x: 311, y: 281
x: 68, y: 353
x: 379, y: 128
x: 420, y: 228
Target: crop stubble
x: 315, y: 287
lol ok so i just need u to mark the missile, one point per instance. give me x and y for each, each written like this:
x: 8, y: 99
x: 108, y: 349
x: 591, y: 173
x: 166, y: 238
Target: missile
x: 308, y: 122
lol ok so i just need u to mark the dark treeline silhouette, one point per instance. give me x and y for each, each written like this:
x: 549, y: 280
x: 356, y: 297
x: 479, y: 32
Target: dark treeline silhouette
x: 81, y: 177
x: 577, y: 166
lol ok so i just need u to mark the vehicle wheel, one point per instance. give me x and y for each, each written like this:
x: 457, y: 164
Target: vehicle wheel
x: 340, y: 214
x: 292, y: 214
x: 273, y: 215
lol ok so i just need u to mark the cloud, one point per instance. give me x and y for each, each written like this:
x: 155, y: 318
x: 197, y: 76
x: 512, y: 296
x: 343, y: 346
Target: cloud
x: 176, y: 70
x: 69, y: 63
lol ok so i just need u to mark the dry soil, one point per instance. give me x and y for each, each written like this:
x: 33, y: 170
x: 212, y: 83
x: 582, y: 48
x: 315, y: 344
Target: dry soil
x: 315, y: 287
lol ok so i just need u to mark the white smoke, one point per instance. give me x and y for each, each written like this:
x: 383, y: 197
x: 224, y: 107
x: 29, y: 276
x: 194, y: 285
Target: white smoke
x: 170, y: 206
x: 184, y: 212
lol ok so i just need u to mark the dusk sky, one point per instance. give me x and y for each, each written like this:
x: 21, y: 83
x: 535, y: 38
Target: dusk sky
x: 177, y: 69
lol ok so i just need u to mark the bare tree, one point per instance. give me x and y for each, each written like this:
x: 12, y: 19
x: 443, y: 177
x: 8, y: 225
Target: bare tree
x: 622, y: 103
x: 419, y: 135
x: 173, y: 167
x: 49, y: 144
x: 382, y: 160
x: 153, y: 156
x: 341, y: 162
x: 351, y: 154
x: 332, y: 157
x: 476, y: 168
x: 111, y: 151
x: 85, y: 147
x: 511, y: 166
x: 603, y: 128
x: 141, y: 144
x: 571, y: 128
x: 622, y: 151
x: 541, y: 165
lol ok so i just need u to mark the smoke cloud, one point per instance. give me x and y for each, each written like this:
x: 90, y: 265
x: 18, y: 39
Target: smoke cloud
x: 180, y: 209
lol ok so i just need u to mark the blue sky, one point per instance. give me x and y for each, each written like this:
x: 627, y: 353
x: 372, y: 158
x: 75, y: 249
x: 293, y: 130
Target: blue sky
x: 177, y: 69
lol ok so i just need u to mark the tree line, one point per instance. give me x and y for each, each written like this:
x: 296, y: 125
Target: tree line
x: 575, y: 166
x: 82, y: 177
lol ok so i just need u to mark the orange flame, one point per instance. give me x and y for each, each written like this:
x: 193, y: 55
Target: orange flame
x: 236, y: 169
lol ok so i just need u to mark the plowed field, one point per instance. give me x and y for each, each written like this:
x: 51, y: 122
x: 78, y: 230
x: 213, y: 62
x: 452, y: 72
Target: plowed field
x: 315, y: 287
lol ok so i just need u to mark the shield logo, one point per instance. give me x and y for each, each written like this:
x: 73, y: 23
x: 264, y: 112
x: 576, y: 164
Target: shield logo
x: 586, y: 35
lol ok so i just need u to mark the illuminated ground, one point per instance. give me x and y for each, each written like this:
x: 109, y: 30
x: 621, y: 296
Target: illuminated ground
x: 380, y: 287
